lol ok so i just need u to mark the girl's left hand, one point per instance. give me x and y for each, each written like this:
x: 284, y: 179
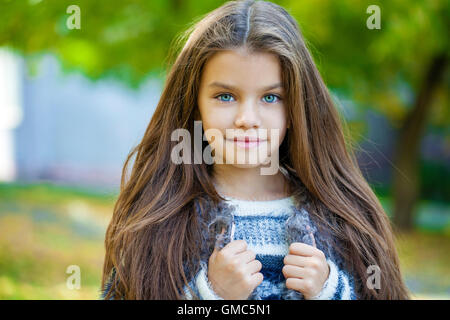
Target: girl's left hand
x: 306, y: 269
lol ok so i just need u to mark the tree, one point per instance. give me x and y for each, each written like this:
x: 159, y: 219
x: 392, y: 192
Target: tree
x: 399, y: 70
x: 127, y: 40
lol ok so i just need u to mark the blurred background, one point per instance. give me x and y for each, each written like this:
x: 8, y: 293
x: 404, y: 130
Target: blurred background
x: 78, y: 86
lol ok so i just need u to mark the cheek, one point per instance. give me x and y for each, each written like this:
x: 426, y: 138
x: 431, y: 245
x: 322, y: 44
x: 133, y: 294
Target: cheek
x: 276, y: 121
x: 214, y: 119
x: 213, y: 125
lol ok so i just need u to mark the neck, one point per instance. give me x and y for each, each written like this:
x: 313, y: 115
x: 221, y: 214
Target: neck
x: 249, y: 184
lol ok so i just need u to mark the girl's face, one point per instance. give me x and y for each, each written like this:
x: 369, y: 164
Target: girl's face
x: 241, y: 90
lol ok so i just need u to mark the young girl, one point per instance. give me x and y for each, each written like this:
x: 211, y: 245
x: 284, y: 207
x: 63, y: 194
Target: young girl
x: 312, y: 229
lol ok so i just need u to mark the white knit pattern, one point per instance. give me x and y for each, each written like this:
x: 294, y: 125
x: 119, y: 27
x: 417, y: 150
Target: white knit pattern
x: 260, y: 208
x: 329, y: 287
x: 261, y: 224
x: 205, y: 287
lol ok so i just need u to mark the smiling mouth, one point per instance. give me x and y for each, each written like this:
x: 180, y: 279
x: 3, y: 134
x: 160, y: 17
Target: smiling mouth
x: 247, y: 143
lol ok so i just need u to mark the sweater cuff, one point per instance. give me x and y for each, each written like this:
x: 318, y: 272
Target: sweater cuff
x: 330, y: 286
x: 204, y: 285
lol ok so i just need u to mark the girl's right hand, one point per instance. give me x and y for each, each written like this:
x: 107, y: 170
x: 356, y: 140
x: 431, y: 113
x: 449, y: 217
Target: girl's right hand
x: 233, y: 271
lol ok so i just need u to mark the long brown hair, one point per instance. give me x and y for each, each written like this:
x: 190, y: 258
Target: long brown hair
x: 152, y: 241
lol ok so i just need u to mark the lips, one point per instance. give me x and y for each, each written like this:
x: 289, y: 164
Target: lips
x: 247, y: 142
x: 247, y: 139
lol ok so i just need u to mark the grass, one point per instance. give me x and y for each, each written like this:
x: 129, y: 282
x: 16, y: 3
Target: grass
x: 44, y: 229
x: 425, y: 260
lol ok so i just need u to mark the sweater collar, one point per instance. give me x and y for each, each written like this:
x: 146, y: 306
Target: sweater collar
x: 260, y: 207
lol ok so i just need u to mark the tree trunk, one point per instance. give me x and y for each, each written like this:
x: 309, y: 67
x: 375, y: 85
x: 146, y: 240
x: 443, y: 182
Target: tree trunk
x: 406, y: 180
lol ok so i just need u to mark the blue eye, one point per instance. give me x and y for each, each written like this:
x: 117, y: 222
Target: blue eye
x: 227, y: 95
x: 273, y: 97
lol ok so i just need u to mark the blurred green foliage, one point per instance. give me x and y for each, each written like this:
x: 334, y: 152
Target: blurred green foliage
x: 130, y: 40
x: 127, y: 40
x: 434, y: 184
x: 380, y: 69
x: 46, y: 228
x: 432, y: 172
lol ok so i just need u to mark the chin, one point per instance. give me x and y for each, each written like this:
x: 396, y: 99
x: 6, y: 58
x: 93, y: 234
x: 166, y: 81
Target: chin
x: 247, y: 166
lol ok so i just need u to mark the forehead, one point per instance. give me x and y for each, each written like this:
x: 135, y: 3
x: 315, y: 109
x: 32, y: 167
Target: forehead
x: 246, y: 70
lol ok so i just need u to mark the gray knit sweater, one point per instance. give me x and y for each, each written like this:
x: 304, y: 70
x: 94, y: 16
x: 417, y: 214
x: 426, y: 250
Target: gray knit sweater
x: 269, y: 227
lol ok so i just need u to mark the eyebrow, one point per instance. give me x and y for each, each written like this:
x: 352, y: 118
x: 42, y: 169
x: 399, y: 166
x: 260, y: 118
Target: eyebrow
x: 229, y: 87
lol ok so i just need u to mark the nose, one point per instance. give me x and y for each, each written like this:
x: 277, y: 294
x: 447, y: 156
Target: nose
x: 248, y: 115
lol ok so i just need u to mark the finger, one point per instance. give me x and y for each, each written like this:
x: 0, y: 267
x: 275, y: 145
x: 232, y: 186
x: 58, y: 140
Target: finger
x: 296, y: 284
x: 294, y: 272
x: 254, y: 266
x: 313, y: 240
x: 219, y: 241
x: 302, y: 249
x: 312, y: 236
x: 256, y: 279
x: 246, y: 256
x: 217, y: 246
x: 294, y: 260
x: 235, y: 247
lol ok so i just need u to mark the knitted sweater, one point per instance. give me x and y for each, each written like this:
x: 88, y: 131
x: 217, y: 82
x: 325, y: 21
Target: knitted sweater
x: 269, y: 227
x: 263, y: 225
